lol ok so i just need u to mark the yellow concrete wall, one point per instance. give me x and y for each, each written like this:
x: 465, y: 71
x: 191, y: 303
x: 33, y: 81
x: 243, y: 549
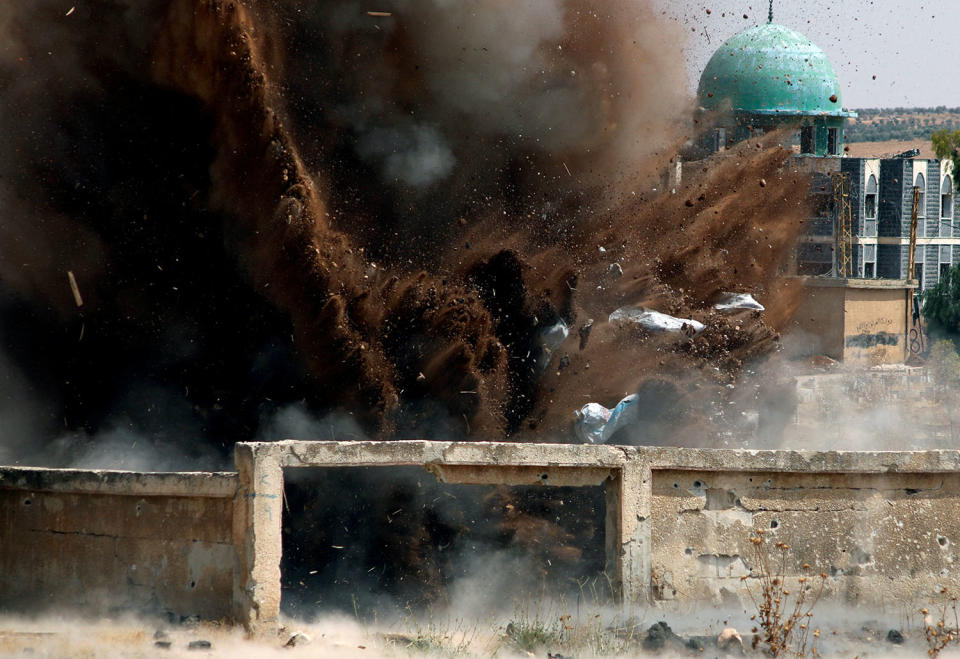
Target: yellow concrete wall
x: 875, y: 324
x: 133, y: 543
x: 884, y: 540
x: 820, y: 319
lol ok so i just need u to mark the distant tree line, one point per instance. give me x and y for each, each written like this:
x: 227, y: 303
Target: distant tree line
x: 881, y: 124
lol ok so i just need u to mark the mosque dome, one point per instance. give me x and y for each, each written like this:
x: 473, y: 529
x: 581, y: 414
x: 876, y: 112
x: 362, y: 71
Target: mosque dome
x: 771, y: 70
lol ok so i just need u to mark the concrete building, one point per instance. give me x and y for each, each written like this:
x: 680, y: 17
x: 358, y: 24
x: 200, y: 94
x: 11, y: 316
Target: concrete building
x: 859, y: 236
x: 771, y: 77
x: 880, y: 197
x: 857, y: 321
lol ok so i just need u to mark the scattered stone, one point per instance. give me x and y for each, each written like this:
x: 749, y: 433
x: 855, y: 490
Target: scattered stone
x: 696, y: 644
x: 729, y: 639
x: 616, y: 270
x: 895, y: 637
x: 163, y: 645
x: 297, y: 639
x: 585, y: 333
x: 660, y: 636
x: 200, y: 645
x: 161, y: 635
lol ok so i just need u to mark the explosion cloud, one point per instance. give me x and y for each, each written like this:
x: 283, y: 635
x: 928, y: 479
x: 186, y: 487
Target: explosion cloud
x: 378, y: 212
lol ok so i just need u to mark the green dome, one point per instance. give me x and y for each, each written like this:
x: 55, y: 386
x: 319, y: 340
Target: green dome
x: 770, y: 69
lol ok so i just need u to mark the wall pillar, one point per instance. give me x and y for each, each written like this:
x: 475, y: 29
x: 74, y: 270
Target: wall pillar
x: 629, y: 492
x: 258, y: 508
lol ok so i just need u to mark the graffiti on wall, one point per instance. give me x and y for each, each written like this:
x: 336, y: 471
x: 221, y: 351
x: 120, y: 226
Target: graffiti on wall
x: 872, y: 340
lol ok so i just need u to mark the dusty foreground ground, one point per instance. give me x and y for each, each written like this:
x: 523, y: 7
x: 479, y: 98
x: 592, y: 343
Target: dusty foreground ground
x: 521, y: 637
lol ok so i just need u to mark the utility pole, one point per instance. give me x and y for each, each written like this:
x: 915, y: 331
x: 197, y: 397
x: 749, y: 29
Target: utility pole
x: 912, y: 257
x: 911, y: 264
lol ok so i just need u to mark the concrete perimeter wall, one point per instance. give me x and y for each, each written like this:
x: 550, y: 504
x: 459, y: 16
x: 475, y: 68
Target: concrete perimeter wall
x: 883, y: 526
x: 103, y: 542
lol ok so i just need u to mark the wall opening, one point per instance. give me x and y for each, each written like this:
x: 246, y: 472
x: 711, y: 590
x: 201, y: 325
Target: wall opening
x: 921, y: 182
x: 833, y: 141
x: 946, y: 206
x: 870, y: 199
x: 375, y: 541
x: 808, y: 142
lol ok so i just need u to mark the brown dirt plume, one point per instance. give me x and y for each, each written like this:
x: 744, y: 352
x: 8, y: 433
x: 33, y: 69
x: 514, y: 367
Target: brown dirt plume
x: 380, y: 340
x: 404, y: 202
x: 346, y: 314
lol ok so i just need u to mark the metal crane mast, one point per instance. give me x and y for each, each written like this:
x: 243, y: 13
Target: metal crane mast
x: 843, y: 224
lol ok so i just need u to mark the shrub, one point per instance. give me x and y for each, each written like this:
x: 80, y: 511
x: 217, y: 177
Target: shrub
x: 783, y: 614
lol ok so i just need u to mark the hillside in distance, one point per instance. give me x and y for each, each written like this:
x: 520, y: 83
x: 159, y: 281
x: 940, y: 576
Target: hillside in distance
x: 900, y: 124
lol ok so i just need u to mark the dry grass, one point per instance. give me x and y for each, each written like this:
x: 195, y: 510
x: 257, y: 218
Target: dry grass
x: 935, y: 630
x: 784, y: 615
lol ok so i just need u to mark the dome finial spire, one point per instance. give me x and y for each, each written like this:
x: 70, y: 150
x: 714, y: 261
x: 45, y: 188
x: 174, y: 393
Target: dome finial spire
x: 770, y: 15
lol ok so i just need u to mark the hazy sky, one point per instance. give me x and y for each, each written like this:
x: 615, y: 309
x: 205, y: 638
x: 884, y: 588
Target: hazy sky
x: 912, y: 47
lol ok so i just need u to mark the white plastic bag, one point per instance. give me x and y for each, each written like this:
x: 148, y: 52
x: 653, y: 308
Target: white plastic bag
x: 551, y: 338
x: 591, y: 419
x: 597, y: 425
x: 737, y: 301
x: 655, y: 321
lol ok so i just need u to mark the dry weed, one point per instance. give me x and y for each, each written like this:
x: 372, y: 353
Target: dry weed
x: 936, y: 632
x: 783, y: 615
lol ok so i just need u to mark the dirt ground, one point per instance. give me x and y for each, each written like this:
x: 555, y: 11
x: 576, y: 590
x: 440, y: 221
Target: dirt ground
x: 888, y: 148
x: 589, y: 634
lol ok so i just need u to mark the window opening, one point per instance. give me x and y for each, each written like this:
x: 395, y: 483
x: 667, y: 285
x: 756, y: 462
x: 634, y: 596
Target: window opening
x: 946, y: 198
x: 719, y: 139
x: 807, y: 141
x: 946, y: 258
x: 870, y: 199
x: 833, y: 141
x: 869, y: 261
x: 921, y: 183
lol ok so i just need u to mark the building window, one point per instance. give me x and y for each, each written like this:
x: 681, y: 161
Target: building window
x: 808, y: 142
x: 918, y: 274
x: 869, y: 261
x: 833, y: 141
x: 921, y: 183
x: 870, y: 199
x: 946, y: 198
x: 946, y: 258
x: 719, y: 139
